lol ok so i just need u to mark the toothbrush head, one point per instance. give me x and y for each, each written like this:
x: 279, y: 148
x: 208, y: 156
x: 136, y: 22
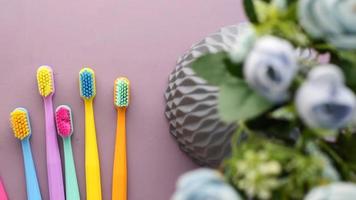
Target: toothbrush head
x: 87, y: 83
x: 122, y: 92
x: 45, y: 81
x: 64, y: 121
x: 20, y: 123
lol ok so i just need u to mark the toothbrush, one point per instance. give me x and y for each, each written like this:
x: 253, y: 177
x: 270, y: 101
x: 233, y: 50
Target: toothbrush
x: 20, y: 123
x: 92, y: 164
x: 64, y: 122
x: 46, y: 89
x: 3, y: 195
x: 121, y: 102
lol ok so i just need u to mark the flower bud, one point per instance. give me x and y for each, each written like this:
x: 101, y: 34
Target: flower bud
x: 323, y: 101
x: 270, y: 68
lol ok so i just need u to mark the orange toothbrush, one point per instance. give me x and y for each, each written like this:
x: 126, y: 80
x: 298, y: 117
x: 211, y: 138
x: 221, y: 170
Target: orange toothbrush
x: 121, y: 101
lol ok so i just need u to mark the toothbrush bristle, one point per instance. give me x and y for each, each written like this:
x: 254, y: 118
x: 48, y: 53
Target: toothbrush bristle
x: 87, y: 83
x: 20, y: 123
x: 45, y: 81
x: 122, y: 92
x: 64, y: 121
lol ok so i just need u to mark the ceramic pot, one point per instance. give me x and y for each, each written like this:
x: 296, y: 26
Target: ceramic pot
x: 192, y: 104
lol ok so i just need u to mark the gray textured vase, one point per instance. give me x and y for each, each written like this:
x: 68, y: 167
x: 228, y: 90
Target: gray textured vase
x: 192, y: 104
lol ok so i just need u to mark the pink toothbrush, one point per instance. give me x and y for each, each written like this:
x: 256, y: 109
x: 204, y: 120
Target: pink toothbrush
x: 45, y: 82
x: 3, y: 195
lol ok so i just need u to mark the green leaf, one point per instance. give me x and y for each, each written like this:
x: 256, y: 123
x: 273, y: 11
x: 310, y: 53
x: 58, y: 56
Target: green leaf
x: 292, y: 10
x: 349, y: 56
x: 237, y: 101
x: 234, y: 69
x: 250, y: 11
x: 281, y: 129
x: 263, y: 10
x: 323, y: 132
x: 212, y: 68
x: 287, y: 112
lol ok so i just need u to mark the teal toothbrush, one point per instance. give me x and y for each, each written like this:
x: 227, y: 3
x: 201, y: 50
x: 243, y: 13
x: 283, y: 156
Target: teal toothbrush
x: 64, y: 122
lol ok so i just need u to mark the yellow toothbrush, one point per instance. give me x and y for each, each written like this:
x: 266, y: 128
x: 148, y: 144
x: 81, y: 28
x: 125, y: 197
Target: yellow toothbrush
x: 92, y: 164
x: 121, y: 101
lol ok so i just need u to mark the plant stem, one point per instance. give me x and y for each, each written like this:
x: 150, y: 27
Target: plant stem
x: 244, y: 127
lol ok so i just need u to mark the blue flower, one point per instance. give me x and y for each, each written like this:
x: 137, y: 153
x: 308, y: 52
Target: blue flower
x: 270, y: 68
x: 323, y: 101
x: 331, y: 20
x: 204, y: 184
x: 335, y: 191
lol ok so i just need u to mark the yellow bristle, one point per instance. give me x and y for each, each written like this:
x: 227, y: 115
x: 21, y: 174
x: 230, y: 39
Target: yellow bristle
x: 45, y: 81
x: 20, y: 123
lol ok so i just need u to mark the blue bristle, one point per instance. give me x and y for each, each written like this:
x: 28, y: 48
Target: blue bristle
x: 87, y: 84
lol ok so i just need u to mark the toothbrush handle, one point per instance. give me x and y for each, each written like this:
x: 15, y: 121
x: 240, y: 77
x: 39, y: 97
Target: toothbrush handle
x: 92, y: 166
x: 3, y: 195
x: 72, y: 190
x: 119, y: 180
x: 33, y: 190
x: 54, y: 167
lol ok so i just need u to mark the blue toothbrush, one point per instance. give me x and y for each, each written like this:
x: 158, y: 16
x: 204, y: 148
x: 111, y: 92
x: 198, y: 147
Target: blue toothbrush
x: 21, y: 127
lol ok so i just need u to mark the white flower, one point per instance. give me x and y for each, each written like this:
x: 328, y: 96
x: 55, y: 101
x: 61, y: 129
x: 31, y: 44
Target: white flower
x: 271, y: 167
x: 335, y: 191
x: 203, y: 184
x: 306, y: 55
x: 323, y: 101
x: 243, y: 43
x: 257, y: 175
x: 332, y: 20
x: 270, y: 68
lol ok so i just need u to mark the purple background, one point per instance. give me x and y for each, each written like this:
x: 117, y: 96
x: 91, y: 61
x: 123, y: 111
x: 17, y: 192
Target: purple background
x: 139, y: 39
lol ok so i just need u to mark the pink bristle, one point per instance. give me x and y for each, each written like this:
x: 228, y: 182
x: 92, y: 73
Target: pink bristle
x: 63, y: 120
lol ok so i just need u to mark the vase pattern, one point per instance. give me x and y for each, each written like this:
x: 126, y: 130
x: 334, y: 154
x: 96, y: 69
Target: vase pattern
x: 192, y: 104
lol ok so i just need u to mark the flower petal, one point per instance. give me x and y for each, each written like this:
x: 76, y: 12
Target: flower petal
x: 345, y: 12
x: 323, y: 16
x: 307, y: 19
x: 347, y: 42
